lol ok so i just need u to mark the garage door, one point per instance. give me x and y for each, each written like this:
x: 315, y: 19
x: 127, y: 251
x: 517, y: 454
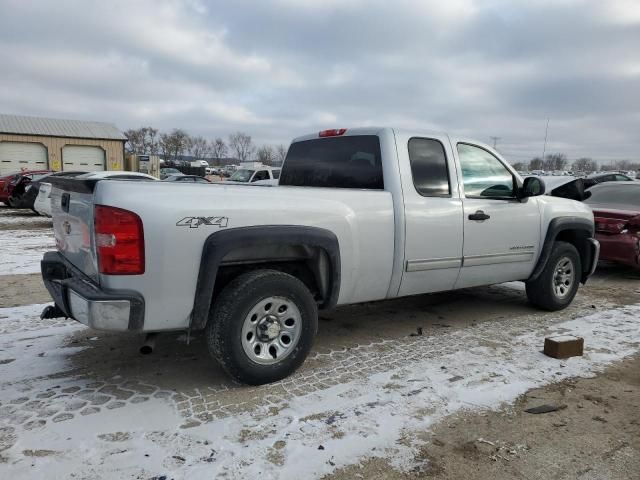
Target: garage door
x: 15, y: 156
x: 88, y: 159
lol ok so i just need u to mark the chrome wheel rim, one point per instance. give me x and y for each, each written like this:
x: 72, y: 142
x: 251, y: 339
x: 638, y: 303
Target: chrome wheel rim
x: 271, y: 330
x: 563, y: 277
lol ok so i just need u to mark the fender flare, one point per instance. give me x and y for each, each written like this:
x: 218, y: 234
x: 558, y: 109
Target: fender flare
x: 556, y: 226
x: 219, y: 244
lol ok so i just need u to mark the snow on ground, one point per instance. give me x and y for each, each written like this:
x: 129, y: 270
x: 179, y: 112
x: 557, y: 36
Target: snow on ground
x: 22, y: 217
x: 22, y: 250
x: 307, y: 435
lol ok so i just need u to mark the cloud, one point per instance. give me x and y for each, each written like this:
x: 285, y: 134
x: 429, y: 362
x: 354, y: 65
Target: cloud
x: 283, y: 68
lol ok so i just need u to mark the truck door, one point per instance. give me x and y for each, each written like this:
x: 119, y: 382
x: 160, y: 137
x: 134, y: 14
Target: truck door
x: 433, y: 214
x: 501, y: 233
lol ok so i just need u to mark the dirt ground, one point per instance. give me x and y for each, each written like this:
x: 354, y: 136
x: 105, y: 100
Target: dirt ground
x: 594, y: 435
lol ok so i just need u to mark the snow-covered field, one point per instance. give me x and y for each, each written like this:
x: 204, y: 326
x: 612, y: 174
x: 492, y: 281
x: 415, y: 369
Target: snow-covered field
x: 58, y: 421
x: 75, y: 403
x: 22, y: 250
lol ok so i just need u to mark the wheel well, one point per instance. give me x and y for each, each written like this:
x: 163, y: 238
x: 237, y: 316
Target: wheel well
x: 579, y: 239
x: 308, y: 264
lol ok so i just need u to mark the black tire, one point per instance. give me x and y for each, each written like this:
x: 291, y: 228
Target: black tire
x: 542, y: 292
x: 233, y: 305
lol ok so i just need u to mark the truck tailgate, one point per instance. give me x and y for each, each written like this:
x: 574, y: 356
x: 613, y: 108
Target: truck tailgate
x: 72, y: 212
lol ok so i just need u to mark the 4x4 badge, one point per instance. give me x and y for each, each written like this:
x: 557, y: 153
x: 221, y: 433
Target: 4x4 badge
x: 195, y: 222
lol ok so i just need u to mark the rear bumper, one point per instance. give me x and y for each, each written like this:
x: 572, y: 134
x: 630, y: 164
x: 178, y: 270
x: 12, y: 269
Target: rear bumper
x: 78, y: 297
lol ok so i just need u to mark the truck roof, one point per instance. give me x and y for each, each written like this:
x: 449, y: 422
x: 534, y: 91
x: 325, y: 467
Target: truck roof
x: 411, y: 132
x: 366, y: 131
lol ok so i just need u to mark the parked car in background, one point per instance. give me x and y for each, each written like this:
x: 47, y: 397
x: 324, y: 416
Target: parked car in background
x: 13, y: 186
x: 168, y: 172
x: 186, y: 179
x: 42, y: 203
x: 265, y: 175
x: 616, y: 208
x: 32, y: 193
x: 115, y: 175
x: 602, y: 177
x: 200, y: 163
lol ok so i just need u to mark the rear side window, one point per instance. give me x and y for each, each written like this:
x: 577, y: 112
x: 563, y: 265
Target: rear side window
x: 334, y: 162
x: 429, y: 167
x: 276, y: 174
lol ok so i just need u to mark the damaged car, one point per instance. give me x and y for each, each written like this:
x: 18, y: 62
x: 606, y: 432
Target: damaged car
x: 15, y: 185
x: 616, y: 208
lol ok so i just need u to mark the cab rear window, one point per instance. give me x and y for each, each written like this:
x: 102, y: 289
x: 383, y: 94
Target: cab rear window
x: 335, y: 162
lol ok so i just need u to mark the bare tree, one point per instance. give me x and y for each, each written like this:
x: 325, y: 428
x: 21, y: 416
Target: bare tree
x: 519, y: 166
x: 164, y: 145
x: 266, y: 155
x: 151, y: 140
x: 218, y: 149
x: 241, y: 145
x: 536, y: 164
x: 555, y: 161
x: 132, y: 144
x: 142, y: 141
x: 173, y: 145
x: 281, y: 153
x: 584, y: 165
x: 199, y: 147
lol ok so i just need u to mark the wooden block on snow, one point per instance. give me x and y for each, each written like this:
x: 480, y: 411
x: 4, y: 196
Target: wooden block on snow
x: 564, y: 346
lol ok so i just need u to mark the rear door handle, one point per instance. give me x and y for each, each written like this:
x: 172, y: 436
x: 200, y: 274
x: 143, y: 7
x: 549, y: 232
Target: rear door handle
x: 479, y: 215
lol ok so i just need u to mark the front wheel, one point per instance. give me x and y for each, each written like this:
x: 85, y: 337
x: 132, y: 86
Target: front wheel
x: 558, y: 283
x: 262, y: 326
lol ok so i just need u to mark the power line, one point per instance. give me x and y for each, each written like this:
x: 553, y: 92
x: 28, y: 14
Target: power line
x: 495, y: 141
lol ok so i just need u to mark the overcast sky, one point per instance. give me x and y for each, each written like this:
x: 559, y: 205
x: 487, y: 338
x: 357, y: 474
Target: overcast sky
x: 283, y: 68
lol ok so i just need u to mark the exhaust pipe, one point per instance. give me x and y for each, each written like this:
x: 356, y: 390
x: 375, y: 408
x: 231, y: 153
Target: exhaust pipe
x: 149, y: 344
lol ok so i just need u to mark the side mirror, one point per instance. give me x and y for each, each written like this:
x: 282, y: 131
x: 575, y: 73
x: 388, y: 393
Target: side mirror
x: 532, y: 187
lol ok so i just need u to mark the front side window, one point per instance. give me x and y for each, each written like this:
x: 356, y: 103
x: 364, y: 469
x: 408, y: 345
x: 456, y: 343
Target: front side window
x: 261, y: 175
x: 429, y: 167
x: 483, y: 174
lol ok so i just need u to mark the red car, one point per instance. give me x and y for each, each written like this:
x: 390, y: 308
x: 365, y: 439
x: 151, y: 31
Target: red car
x: 10, y: 181
x: 616, y: 208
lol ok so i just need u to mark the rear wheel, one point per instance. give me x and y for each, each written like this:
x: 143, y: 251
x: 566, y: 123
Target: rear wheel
x: 262, y: 326
x: 558, y: 283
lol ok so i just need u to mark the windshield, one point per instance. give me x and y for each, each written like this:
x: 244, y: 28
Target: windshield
x: 241, y: 175
x: 170, y: 171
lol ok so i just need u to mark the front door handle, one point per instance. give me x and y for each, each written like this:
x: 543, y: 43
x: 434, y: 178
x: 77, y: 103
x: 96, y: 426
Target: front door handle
x: 479, y: 215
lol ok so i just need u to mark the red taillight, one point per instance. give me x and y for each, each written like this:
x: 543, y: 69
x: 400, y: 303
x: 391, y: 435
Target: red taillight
x: 336, y: 132
x: 119, y: 241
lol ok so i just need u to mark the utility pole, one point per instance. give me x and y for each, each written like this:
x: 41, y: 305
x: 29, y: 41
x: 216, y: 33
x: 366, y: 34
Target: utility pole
x: 495, y: 141
x: 544, y: 148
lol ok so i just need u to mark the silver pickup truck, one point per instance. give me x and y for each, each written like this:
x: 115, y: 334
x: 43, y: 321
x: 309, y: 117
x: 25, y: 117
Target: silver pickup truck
x: 358, y: 215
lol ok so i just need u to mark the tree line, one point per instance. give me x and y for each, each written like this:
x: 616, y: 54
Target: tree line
x: 177, y: 143
x: 559, y: 161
